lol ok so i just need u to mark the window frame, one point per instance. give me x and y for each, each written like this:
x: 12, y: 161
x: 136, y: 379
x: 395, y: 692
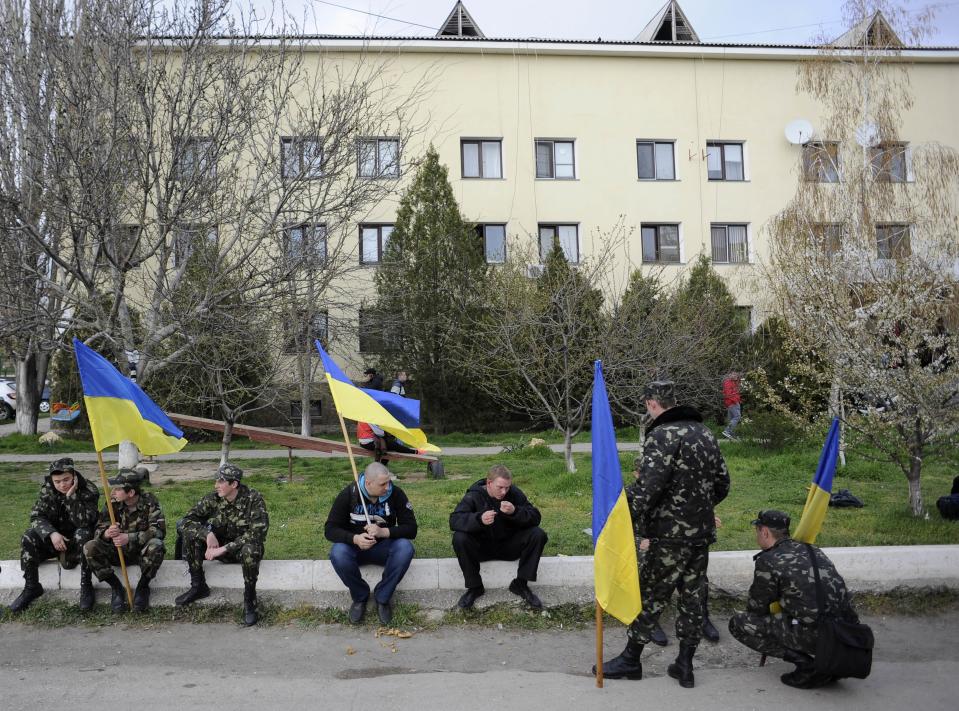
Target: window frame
x: 551, y: 142
x: 380, y: 246
x: 290, y: 333
x: 881, y: 172
x: 655, y: 142
x: 181, y: 252
x: 829, y: 236
x: 722, y: 160
x: 196, y: 171
x: 378, y: 173
x: 814, y: 168
x: 481, y: 233
x: 479, y: 143
x: 298, y: 142
x: 894, y: 248
x: 725, y: 226
x: 657, y: 226
x: 300, y: 261
x: 385, y: 336
x: 555, y: 226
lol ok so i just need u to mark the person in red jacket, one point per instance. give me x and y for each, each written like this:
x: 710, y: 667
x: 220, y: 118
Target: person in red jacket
x: 733, y: 403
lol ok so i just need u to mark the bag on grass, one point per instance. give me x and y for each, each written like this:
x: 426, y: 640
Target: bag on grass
x: 845, y: 499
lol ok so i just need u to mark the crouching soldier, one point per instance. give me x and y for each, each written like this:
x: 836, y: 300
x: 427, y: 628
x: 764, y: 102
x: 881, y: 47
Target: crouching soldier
x: 138, y: 532
x: 61, y: 521
x: 229, y: 525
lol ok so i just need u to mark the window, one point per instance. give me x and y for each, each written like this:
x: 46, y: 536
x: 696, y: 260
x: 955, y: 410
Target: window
x: 301, y: 157
x: 378, y: 157
x: 296, y: 409
x: 494, y: 242
x: 567, y: 236
x: 820, y: 162
x: 660, y: 243
x: 724, y: 161
x: 730, y: 244
x: 378, y: 333
x: 890, y: 163
x: 300, y: 333
x: 127, y: 245
x: 482, y: 159
x: 196, y: 160
x: 892, y: 241
x: 554, y: 160
x: 305, y: 245
x: 189, y: 239
x: 828, y: 235
x: 655, y: 160
x: 373, y: 241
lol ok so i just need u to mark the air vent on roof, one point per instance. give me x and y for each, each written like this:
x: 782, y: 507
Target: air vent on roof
x: 873, y: 31
x: 460, y: 24
x: 669, y: 25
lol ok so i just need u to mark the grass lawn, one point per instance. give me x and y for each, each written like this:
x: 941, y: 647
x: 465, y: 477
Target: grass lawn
x: 760, y: 479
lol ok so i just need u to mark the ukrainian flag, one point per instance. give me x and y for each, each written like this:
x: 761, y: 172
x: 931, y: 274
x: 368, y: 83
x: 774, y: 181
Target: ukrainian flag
x: 118, y: 410
x: 817, y: 501
x: 400, y: 416
x: 614, y: 563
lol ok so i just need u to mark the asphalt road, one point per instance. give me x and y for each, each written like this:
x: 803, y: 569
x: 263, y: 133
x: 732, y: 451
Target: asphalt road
x: 180, y: 666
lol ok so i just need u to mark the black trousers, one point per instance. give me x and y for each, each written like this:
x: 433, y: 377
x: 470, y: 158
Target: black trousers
x: 526, y: 545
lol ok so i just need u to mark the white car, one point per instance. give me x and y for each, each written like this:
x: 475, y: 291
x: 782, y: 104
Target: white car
x: 8, y: 401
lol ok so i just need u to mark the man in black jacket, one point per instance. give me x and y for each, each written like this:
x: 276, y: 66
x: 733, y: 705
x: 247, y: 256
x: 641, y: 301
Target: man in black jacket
x: 385, y: 540
x: 495, y: 521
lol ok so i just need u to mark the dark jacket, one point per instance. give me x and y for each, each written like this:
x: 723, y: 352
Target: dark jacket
x: 346, y: 518
x: 682, y: 477
x: 466, y: 516
x: 55, y: 512
x: 235, y: 524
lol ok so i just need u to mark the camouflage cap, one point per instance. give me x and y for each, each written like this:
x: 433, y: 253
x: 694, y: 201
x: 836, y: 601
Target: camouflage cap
x: 659, y: 390
x: 129, y: 477
x: 63, y: 464
x: 229, y: 472
x: 771, y: 518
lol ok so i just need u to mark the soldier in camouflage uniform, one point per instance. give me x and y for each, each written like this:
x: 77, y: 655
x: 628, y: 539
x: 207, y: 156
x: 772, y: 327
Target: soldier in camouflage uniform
x: 229, y: 525
x: 139, y: 532
x: 682, y: 477
x: 784, y: 575
x: 62, y: 520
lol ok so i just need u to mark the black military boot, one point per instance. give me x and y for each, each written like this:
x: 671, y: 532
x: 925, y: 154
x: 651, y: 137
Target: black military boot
x: 141, y: 595
x: 198, y: 589
x: 87, y: 594
x: 32, y: 589
x: 804, y: 676
x: 657, y: 636
x: 250, y: 616
x: 118, y: 597
x: 682, y: 668
x: 709, y: 629
x: 626, y: 665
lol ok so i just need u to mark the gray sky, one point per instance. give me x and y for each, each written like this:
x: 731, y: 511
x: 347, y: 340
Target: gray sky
x: 759, y: 21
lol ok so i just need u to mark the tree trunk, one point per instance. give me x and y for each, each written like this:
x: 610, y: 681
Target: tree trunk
x: 568, y: 451
x: 915, y: 491
x: 31, y: 374
x: 306, y: 390
x: 227, y: 439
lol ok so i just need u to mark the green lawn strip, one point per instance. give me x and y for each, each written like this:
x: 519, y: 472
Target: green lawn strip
x: 760, y: 480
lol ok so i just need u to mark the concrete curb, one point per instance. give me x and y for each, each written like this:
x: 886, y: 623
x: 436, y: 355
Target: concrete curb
x: 438, y: 582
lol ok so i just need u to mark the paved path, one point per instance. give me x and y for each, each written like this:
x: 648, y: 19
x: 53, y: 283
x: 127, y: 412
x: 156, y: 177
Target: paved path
x: 10, y: 426
x: 207, y: 666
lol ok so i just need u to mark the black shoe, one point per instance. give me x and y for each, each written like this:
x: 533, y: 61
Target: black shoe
x: 682, y: 668
x: 626, y: 665
x: 26, y: 598
x: 804, y: 676
x: 250, y: 614
x: 468, y: 598
x: 657, y: 636
x: 384, y: 611
x: 87, y: 594
x: 521, y: 588
x: 709, y: 630
x: 141, y: 596
x: 357, y: 610
x: 118, y: 597
x: 198, y: 590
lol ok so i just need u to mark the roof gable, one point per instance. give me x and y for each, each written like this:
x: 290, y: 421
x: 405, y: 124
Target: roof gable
x: 460, y: 24
x: 669, y: 25
x: 874, y: 31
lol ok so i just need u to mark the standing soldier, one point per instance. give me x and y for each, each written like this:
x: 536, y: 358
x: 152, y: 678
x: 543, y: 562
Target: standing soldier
x: 139, y: 532
x: 682, y: 477
x: 62, y: 520
x: 230, y: 525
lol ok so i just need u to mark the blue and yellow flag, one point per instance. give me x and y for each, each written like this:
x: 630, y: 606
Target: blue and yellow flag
x: 817, y: 501
x: 614, y: 562
x: 119, y: 410
x: 400, y: 416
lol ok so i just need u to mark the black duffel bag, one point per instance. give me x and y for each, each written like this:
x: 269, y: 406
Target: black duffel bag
x: 844, y: 648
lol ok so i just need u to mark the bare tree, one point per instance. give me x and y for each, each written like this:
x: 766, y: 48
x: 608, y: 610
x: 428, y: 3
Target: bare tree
x: 863, y: 257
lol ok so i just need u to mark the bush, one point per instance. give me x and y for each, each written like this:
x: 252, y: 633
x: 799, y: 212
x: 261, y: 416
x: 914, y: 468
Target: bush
x: 770, y: 431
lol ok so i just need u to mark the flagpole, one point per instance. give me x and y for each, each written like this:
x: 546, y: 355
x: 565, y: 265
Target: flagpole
x: 113, y: 521
x: 599, y: 645
x: 356, y: 477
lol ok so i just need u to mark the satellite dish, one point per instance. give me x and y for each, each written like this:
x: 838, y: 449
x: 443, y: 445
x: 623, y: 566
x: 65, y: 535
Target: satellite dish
x: 799, y: 132
x: 867, y: 134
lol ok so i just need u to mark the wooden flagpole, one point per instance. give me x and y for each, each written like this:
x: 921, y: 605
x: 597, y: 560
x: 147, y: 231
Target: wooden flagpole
x: 349, y: 452
x: 113, y: 521
x: 599, y: 645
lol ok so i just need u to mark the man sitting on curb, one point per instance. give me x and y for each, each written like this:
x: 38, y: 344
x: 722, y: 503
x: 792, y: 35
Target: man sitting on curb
x: 384, y: 541
x: 139, y: 532
x: 495, y: 521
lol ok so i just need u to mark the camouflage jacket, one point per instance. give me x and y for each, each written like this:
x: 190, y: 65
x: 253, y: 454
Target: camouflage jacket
x: 243, y: 521
x: 682, y: 477
x: 784, y: 574
x: 143, y: 523
x: 56, y: 512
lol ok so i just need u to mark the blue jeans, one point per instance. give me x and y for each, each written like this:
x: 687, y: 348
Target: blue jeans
x: 734, y: 413
x: 394, y: 554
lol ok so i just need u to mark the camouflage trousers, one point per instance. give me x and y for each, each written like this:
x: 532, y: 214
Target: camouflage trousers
x: 248, y: 556
x: 34, y: 548
x: 773, y: 634
x: 668, y: 568
x: 102, y: 555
